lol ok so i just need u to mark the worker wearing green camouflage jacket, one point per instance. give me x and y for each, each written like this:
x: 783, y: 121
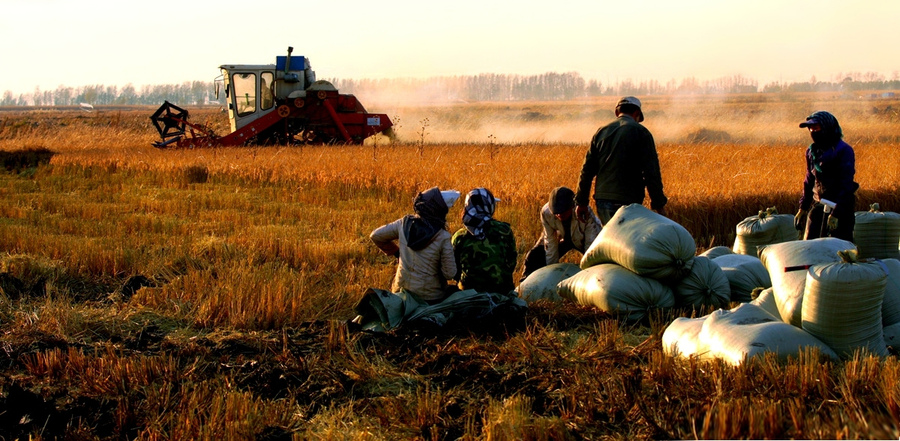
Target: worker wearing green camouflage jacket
x: 485, y: 249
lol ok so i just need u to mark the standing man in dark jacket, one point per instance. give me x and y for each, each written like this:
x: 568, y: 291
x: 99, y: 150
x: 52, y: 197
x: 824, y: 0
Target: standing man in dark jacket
x: 623, y: 159
x: 830, y: 168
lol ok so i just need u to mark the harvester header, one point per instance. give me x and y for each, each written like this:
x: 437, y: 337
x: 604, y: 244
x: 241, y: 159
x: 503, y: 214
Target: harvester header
x: 279, y: 103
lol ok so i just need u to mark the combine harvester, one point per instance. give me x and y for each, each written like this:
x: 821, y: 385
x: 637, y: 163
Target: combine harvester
x: 279, y: 103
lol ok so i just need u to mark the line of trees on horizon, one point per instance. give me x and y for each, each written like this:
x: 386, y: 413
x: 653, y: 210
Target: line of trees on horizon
x: 550, y: 86
x: 189, y: 92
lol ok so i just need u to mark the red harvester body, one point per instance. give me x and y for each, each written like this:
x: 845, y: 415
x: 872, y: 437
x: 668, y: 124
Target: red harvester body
x: 275, y: 104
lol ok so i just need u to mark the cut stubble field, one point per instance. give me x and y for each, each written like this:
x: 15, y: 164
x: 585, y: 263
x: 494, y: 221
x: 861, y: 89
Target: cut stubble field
x: 201, y: 294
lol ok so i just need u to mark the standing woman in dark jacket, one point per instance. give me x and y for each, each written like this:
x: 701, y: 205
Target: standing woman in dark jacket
x: 830, y: 169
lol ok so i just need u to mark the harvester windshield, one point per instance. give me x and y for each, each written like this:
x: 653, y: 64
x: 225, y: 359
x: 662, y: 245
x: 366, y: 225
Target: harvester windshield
x: 244, y: 93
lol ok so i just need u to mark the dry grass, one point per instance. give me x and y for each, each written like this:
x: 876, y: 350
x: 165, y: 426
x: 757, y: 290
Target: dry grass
x: 253, y: 257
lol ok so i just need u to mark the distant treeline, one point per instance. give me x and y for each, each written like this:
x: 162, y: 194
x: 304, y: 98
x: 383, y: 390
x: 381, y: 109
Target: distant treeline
x: 565, y: 86
x: 484, y: 87
x: 193, y: 92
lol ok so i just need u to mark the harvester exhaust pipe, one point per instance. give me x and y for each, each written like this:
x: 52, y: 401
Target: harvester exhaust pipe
x: 287, y: 63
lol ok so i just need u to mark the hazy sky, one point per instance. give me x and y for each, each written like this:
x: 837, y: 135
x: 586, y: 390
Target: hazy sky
x: 47, y: 43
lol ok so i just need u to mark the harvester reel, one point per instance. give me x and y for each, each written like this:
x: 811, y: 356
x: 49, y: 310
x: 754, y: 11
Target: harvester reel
x: 169, y: 120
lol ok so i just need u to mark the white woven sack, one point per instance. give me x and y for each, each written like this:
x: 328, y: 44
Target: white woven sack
x: 706, y: 285
x: 766, y: 301
x: 645, y: 242
x: 744, y: 274
x: 748, y: 330
x: 892, y: 336
x: 877, y: 233
x: 682, y: 338
x: 890, y: 307
x: 718, y: 251
x: 541, y: 284
x: 842, y: 306
x: 766, y: 228
x: 796, y: 256
x: 617, y: 290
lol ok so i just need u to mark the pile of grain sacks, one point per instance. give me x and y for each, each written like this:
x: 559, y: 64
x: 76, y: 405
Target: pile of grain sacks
x: 875, y: 234
x: 642, y: 261
x: 822, y: 296
x: 825, y: 294
x: 631, y: 267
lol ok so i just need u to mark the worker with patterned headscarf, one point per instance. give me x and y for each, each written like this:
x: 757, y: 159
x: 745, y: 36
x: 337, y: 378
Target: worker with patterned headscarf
x: 485, y: 249
x: 828, y: 204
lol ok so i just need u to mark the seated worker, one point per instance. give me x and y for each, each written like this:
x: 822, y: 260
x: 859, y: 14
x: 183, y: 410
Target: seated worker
x: 486, y: 248
x: 422, y: 244
x: 562, y: 231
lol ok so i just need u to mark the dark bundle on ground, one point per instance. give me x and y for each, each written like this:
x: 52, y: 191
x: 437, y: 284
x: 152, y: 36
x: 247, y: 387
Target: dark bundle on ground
x: 18, y: 160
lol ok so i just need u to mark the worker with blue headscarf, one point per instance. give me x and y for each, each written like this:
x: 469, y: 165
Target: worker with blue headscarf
x: 828, y: 204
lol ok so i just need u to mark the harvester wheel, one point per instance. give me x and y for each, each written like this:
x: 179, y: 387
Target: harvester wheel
x: 284, y: 111
x: 298, y: 102
x: 321, y: 94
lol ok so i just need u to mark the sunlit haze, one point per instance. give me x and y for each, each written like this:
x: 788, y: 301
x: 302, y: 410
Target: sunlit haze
x: 48, y: 43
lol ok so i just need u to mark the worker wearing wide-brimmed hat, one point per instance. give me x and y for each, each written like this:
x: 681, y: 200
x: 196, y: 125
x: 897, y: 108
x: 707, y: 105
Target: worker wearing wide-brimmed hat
x: 830, y: 169
x: 623, y: 160
x: 563, y: 231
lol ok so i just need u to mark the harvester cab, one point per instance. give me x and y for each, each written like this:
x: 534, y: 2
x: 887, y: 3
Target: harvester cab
x: 251, y: 89
x: 279, y: 103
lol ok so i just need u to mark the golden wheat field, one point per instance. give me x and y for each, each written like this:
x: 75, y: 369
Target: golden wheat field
x: 203, y: 294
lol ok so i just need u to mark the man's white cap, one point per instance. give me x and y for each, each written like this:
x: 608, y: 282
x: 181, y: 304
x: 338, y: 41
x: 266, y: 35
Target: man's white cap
x: 629, y: 100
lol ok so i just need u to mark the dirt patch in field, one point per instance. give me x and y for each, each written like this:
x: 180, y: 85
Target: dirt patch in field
x: 707, y: 136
